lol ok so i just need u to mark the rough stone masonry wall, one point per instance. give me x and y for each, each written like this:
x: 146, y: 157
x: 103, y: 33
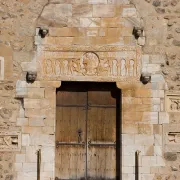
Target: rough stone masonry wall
x: 18, y: 22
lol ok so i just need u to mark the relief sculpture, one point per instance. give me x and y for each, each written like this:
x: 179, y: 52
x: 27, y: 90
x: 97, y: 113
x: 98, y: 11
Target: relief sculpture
x: 10, y: 141
x: 173, y: 102
x: 91, y: 64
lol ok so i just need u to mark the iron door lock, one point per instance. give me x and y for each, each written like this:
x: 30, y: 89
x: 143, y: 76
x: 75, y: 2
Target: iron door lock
x: 79, y: 135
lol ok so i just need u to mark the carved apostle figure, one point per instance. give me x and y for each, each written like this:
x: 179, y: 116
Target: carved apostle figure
x: 89, y: 63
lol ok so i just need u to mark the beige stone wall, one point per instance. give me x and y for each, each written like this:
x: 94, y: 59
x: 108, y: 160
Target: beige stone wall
x: 25, y: 107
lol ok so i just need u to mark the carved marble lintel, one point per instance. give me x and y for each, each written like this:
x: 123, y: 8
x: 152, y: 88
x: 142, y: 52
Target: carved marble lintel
x: 89, y: 66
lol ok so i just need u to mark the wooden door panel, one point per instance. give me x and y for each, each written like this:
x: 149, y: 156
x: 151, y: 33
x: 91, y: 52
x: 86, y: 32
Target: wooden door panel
x: 69, y: 121
x: 101, y: 163
x: 93, y: 113
x: 70, y: 162
x: 70, y: 118
x: 71, y: 98
x: 101, y: 124
x: 101, y: 98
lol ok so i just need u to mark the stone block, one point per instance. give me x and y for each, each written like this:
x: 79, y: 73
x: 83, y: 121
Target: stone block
x: 64, y: 31
x: 31, y: 130
x: 145, y: 129
x: 47, y: 175
x: 29, y: 66
x: 128, y: 139
x: 35, y: 93
x: 157, y: 129
x: 146, y: 176
x: 129, y: 128
x: 48, y: 154
x: 128, y: 161
x: 29, y: 167
x: 90, y: 22
x: 128, y: 170
x: 157, y: 93
x: 163, y: 117
x: 144, y: 170
x: 157, y: 78
x: 25, y: 140
x: 55, y: 14
x: 82, y: 10
x: 130, y: 150
x: 42, y: 139
x: 97, y: 1
x: 157, y: 59
x: 158, y: 151
x: 112, y: 22
x: 128, y: 176
x: 149, y: 150
x: 41, y: 113
x: 142, y: 93
x: 143, y: 139
x: 158, y: 140
x: 18, y: 167
x: 104, y: 11
x: 160, y: 161
x: 22, y: 122
x: 152, y: 68
x: 20, y: 158
x: 31, y: 154
x: 36, y: 122
x: 114, y: 32
x: 48, y: 167
x: 129, y: 12
x: 36, y: 103
x: 148, y: 161
x: 132, y: 100
x: 145, y: 59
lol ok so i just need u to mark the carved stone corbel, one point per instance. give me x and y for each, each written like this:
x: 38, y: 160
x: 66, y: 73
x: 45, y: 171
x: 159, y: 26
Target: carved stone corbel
x: 139, y: 34
x: 31, y: 76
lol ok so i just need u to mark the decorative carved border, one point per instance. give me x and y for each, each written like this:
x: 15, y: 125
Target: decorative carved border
x: 70, y: 58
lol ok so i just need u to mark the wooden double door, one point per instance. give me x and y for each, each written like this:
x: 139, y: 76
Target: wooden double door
x: 86, y: 135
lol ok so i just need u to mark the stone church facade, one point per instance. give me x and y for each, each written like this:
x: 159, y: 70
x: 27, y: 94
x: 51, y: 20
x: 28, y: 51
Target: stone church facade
x: 130, y: 43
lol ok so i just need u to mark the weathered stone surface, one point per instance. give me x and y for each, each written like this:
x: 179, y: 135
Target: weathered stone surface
x: 176, y: 42
x: 82, y: 10
x: 89, y: 23
x: 104, y: 11
x: 56, y: 14
x: 170, y: 156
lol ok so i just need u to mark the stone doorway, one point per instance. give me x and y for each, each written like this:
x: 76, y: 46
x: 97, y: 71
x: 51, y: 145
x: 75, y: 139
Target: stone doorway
x: 87, y: 131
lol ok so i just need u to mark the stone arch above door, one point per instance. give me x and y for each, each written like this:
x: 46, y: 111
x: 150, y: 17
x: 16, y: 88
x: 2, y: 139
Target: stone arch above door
x: 86, y: 44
